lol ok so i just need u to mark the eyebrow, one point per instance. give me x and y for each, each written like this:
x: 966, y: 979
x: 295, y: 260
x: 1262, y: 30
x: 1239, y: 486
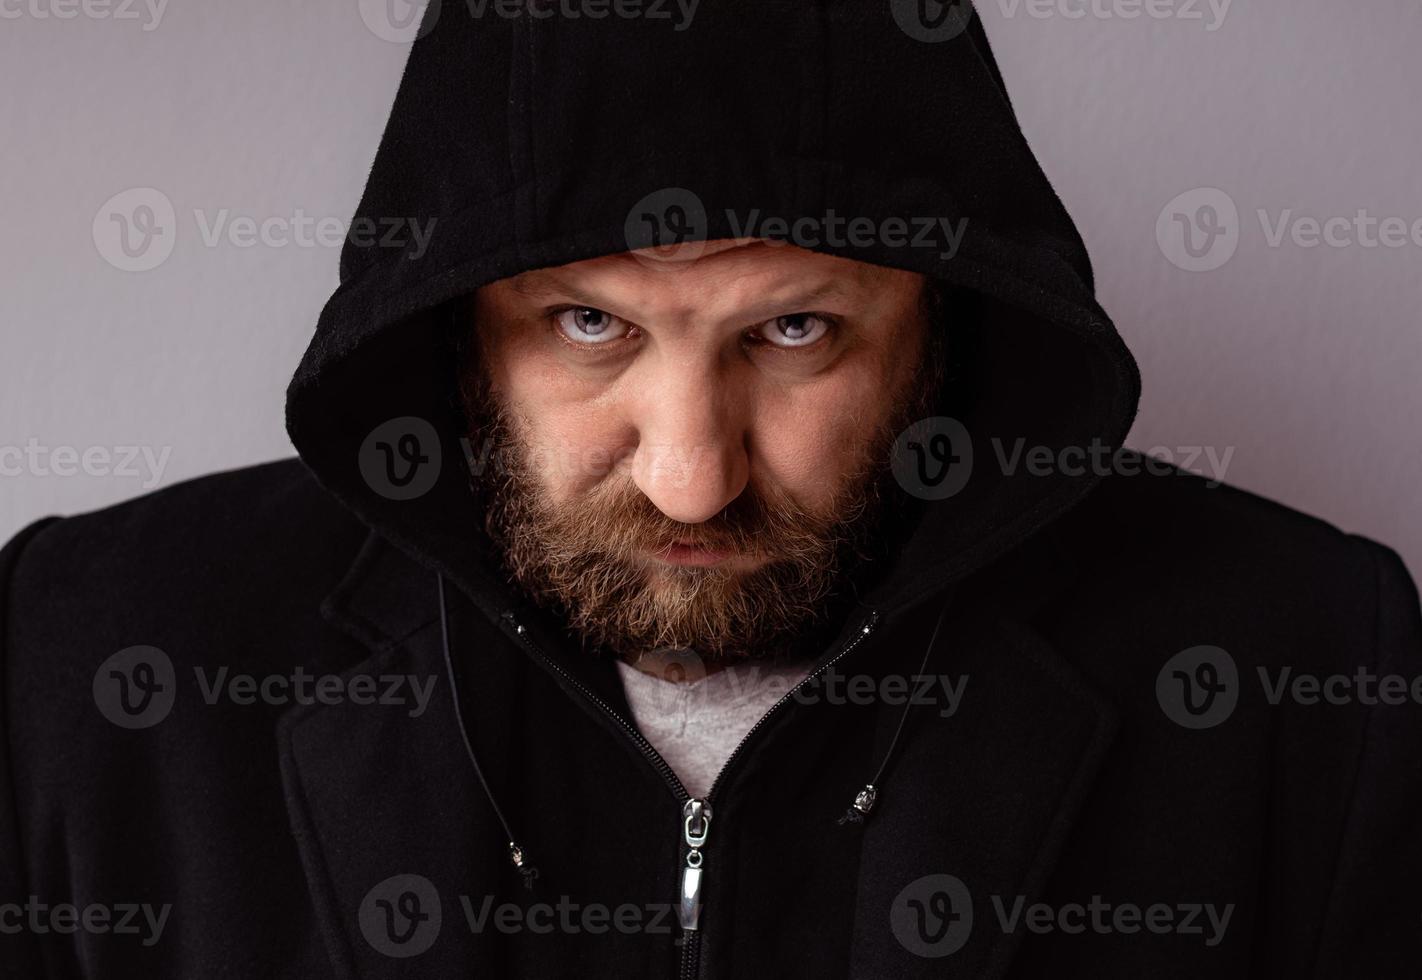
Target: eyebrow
x: 535, y: 282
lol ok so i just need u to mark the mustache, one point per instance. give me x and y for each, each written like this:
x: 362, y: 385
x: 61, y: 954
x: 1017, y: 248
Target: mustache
x: 618, y: 521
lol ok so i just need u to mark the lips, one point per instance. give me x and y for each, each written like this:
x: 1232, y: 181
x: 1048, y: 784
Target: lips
x: 692, y: 555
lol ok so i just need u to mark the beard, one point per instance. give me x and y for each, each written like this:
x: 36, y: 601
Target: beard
x: 589, y: 560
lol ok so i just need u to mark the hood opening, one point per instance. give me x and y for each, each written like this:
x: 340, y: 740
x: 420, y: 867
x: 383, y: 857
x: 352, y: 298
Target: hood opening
x: 523, y: 143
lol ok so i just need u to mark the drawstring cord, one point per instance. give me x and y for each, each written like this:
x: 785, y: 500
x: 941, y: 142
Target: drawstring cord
x: 516, y: 853
x: 865, y: 799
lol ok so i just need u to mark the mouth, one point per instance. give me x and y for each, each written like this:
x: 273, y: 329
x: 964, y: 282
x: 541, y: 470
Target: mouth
x: 691, y: 555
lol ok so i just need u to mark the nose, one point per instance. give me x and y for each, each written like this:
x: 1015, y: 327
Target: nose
x: 691, y: 459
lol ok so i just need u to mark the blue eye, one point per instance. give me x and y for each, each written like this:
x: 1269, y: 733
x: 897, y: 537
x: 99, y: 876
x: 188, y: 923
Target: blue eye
x: 794, y: 330
x: 585, y: 325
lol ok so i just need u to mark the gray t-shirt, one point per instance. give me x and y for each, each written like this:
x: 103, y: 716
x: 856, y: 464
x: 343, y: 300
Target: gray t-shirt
x: 695, y: 725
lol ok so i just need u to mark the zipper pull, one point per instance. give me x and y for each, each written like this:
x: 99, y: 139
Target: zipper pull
x: 696, y: 826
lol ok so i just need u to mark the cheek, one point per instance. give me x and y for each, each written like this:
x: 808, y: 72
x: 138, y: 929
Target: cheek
x: 810, y: 436
x: 569, y: 437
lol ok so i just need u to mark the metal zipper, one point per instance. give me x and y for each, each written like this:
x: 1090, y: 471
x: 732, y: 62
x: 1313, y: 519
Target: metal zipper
x: 696, y: 828
x: 696, y: 813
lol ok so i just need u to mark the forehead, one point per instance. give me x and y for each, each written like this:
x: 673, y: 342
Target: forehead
x: 717, y: 273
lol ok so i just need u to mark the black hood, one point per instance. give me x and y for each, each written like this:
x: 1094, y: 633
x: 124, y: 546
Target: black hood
x: 530, y: 141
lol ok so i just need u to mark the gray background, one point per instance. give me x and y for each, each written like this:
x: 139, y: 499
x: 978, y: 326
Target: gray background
x: 1302, y: 362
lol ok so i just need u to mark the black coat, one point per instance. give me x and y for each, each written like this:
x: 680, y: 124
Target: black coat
x: 1059, y: 778
x: 1119, y: 792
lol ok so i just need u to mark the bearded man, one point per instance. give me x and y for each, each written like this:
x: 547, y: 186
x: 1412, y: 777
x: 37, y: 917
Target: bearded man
x: 712, y: 556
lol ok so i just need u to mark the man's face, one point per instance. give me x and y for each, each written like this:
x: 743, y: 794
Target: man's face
x: 692, y: 446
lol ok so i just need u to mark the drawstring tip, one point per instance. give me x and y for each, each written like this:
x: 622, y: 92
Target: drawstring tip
x: 520, y: 863
x: 864, y: 801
